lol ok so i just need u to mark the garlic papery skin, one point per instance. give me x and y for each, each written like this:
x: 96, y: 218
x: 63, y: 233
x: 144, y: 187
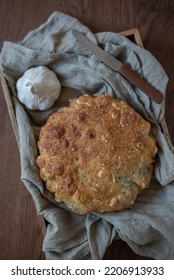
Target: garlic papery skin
x: 38, y: 88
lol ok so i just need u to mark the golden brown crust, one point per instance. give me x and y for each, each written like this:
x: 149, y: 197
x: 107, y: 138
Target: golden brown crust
x: 96, y: 155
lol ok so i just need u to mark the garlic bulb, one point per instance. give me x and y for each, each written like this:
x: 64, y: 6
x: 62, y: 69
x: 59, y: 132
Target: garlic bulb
x: 38, y: 88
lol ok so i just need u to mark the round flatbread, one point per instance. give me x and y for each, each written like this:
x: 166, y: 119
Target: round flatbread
x: 96, y: 155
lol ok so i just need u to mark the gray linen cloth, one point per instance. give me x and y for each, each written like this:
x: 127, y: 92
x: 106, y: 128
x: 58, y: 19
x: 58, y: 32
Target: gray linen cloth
x: 148, y: 226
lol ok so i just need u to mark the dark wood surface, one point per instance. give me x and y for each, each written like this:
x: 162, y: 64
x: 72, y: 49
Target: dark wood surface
x: 20, y: 232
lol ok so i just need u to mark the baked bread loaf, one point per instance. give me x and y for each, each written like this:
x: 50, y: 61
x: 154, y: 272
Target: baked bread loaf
x: 96, y: 155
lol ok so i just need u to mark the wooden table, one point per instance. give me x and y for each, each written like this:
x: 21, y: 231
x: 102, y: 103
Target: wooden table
x: 20, y: 232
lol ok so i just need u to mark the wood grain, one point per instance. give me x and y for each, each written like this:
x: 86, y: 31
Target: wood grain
x: 20, y: 232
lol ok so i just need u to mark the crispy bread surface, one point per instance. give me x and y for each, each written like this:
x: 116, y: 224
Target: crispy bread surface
x: 96, y: 155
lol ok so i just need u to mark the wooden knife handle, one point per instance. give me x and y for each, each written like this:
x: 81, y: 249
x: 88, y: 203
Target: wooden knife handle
x: 136, y: 79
